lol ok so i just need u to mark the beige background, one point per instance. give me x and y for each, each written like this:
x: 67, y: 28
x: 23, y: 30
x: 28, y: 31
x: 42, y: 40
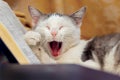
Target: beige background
x: 102, y: 17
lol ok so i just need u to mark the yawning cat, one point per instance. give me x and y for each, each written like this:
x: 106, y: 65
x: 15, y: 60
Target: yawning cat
x: 56, y: 37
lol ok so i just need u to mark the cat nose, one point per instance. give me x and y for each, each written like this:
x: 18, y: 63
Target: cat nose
x: 54, y: 33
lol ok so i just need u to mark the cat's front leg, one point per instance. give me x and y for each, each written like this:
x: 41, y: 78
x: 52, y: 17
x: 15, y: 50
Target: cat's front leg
x: 32, y: 38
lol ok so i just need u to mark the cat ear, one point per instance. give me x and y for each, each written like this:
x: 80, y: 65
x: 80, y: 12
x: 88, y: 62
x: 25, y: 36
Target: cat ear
x: 78, y: 16
x: 35, y: 14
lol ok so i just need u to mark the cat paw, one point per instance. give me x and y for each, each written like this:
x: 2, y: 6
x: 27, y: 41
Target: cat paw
x: 32, y: 38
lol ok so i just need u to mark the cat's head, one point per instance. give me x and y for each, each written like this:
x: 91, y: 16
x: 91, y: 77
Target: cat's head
x: 59, y: 32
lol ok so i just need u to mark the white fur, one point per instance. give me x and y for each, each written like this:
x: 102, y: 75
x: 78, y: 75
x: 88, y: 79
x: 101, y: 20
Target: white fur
x: 32, y: 38
x: 91, y: 64
x: 70, y: 36
x: 109, y: 61
x: 73, y: 55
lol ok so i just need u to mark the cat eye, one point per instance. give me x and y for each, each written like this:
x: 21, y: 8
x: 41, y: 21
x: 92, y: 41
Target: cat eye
x: 48, y: 27
x: 60, y: 27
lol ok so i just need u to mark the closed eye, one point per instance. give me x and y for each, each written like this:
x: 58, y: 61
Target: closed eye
x: 60, y: 27
x: 48, y: 27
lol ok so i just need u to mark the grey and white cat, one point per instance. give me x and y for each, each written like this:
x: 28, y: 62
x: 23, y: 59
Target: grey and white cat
x: 56, y: 37
x: 105, y: 51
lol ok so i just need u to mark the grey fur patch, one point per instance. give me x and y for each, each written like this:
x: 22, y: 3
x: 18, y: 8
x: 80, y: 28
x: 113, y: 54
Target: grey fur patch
x: 117, y: 56
x: 54, y: 14
x: 102, y: 46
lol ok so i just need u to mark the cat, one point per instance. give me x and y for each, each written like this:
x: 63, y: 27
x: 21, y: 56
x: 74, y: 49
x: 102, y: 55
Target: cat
x: 55, y: 38
x: 104, y: 50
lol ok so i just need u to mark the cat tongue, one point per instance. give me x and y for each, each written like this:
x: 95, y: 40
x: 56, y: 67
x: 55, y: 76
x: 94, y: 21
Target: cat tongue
x: 55, y: 53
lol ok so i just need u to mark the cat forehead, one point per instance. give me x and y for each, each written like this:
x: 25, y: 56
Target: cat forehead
x: 55, y: 14
x: 56, y: 18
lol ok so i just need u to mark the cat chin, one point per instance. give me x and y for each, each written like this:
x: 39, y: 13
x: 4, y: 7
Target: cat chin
x: 56, y: 57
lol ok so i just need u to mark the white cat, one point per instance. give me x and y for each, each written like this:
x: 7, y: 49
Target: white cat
x: 56, y: 37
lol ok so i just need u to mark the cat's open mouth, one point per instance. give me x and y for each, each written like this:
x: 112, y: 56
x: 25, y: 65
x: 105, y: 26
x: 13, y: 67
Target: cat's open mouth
x: 55, y: 48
